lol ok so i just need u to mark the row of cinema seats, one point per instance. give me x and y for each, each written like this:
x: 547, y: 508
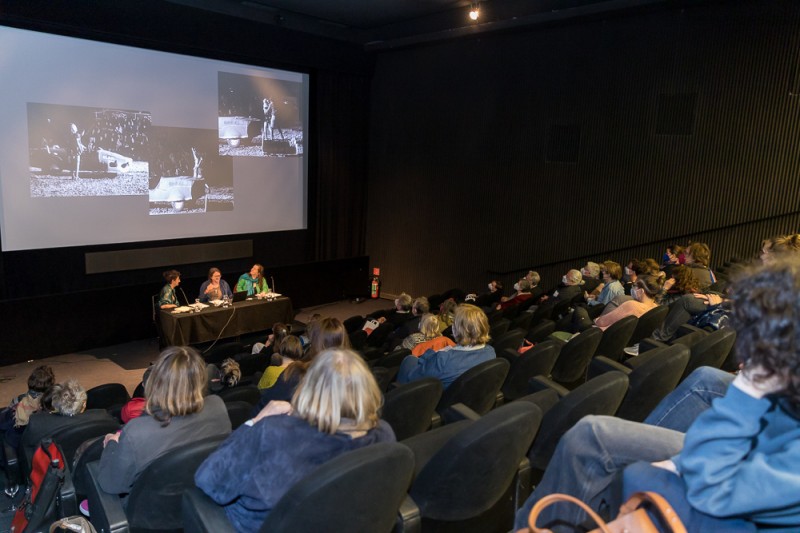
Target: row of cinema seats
x: 422, y: 414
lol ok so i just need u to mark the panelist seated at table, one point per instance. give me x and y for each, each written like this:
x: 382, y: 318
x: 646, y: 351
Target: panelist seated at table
x: 215, y: 287
x: 167, y: 299
x: 253, y: 282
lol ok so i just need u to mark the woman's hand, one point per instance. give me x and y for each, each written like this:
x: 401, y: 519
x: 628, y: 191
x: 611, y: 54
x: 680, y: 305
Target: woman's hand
x: 274, y: 408
x: 110, y: 437
x: 668, y: 284
x: 710, y: 299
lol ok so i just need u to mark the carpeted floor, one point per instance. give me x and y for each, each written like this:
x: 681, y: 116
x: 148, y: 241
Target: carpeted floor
x: 125, y: 363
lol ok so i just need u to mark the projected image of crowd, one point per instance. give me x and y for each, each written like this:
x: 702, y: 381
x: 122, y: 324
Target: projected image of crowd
x: 186, y: 173
x: 83, y: 151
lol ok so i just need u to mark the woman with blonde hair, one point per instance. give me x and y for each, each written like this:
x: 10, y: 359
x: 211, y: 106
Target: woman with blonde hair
x: 333, y: 411
x: 471, y: 331
x: 176, y: 413
x: 428, y: 337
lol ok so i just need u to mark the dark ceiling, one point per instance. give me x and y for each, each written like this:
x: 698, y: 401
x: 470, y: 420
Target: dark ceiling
x: 381, y: 24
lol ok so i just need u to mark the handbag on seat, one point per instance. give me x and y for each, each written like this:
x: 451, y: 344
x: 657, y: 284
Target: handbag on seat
x: 633, y: 516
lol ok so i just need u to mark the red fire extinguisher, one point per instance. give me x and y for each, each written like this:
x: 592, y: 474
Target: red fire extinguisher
x: 375, y: 289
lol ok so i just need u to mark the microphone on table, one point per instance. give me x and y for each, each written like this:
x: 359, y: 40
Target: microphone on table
x: 184, y: 295
x: 273, y: 283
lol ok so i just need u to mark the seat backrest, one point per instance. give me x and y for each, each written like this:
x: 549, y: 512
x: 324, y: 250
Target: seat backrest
x: 541, y: 330
x: 498, y: 327
x: 155, y: 499
x: 648, y: 323
x: 353, y: 323
x: 510, y: 339
x: 384, y: 376
x: 476, y: 388
x: 242, y: 393
x: 538, y: 361
x: 522, y: 321
x: 359, y: 491
x: 656, y: 374
x: 409, y: 408
x: 599, y: 396
x: 616, y: 338
x: 219, y: 353
x: 106, y: 395
x: 711, y: 350
x: 70, y: 437
x: 573, y: 361
x: 238, y: 412
x: 253, y: 363
x: 473, y: 469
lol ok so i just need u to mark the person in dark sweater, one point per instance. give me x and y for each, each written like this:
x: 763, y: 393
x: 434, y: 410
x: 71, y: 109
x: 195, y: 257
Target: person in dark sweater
x: 333, y: 411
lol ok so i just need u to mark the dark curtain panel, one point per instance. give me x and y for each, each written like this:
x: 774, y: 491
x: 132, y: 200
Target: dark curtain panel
x: 337, y: 199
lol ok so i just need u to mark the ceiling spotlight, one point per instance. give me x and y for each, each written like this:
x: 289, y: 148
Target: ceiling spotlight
x: 474, y: 11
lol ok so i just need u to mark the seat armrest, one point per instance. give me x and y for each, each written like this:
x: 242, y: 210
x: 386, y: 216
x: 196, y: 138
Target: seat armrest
x: 409, y: 519
x: 522, y: 483
x: 686, y: 329
x: 12, y: 465
x: 436, y: 420
x: 69, y: 499
x: 106, y: 509
x: 602, y: 364
x: 201, y: 514
x: 540, y: 383
x: 648, y: 344
x: 457, y: 412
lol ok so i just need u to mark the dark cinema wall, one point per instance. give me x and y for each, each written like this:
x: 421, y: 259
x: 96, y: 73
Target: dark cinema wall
x: 596, y: 138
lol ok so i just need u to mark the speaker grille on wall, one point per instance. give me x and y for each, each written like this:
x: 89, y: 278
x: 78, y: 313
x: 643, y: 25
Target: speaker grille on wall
x: 676, y: 114
x: 564, y: 143
x: 122, y: 260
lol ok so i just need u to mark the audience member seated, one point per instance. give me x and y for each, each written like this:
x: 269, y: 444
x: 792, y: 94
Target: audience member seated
x: 68, y: 401
x: 523, y: 292
x: 270, y: 346
x: 335, y: 410
x: 611, y: 286
x: 290, y: 350
x: 136, y: 405
x: 643, y: 299
x: 14, y: 418
x: 571, y: 286
x: 471, y: 332
x: 214, y: 288
x: 735, y: 468
x: 410, y: 326
x: 326, y: 333
x: 698, y: 257
x: 428, y: 337
x: 225, y: 377
x: 176, y: 413
x: 591, y: 276
x: 447, y: 313
x: 683, y: 281
x: 487, y: 299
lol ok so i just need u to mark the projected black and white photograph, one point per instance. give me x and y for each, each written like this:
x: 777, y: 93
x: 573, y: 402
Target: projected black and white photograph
x: 86, y: 151
x: 259, y: 116
x: 187, y: 174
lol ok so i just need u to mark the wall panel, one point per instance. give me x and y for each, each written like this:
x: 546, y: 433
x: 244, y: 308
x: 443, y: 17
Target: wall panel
x: 460, y: 188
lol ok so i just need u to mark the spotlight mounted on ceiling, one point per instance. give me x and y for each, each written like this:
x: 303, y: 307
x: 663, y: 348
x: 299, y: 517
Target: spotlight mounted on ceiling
x: 474, y: 11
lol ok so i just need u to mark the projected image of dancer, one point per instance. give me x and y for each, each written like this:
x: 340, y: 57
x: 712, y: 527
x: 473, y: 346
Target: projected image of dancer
x: 76, y: 148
